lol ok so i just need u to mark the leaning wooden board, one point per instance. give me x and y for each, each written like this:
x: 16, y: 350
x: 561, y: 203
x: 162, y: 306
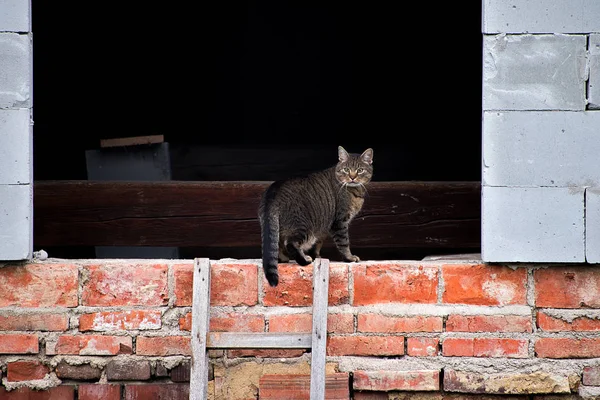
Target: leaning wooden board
x: 224, y: 214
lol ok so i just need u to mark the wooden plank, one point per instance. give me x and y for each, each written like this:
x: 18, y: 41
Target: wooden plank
x: 243, y: 340
x: 319, y: 328
x: 297, y: 387
x: 132, y: 141
x: 200, y: 323
x: 442, y: 215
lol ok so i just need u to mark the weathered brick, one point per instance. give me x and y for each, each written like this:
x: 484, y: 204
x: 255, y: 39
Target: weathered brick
x: 125, y: 285
x: 551, y: 324
x: 373, y: 396
x: 422, y: 346
x: 394, y: 283
x: 82, y: 372
x: 237, y: 322
x: 298, y: 387
x: 484, y: 285
x: 591, y: 376
x: 567, y: 287
x: 183, y: 284
x: 336, y: 323
x: 505, y: 383
x: 181, y: 373
x: 39, y: 285
x: 488, y: 323
x: 163, y: 346
x: 128, y: 370
x: 234, y: 284
x: 387, y: 324
x: 63, y: 392
x: 397, y: 380
x: 295, y: 286
x: 185, y: 322
x: 266, y: 353
x: 91, y: 345
x: 485, y: 347
x: 365, y: 346
x: 99, y: 392
x: 29, y: 370
x: 34, y: 322
x: 107, y: 321
x: 19, y: 344
x: 173, y: 391
x: 567, y: 348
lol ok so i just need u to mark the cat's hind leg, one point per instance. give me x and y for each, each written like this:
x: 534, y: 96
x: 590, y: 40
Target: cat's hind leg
x: 315, y: 250
x: 295, y: 247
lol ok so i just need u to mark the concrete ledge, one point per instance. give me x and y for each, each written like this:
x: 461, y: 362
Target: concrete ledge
x: 15, y: 146
x: 15, y: 16
x: 16, y: 67
x: 16, y: 221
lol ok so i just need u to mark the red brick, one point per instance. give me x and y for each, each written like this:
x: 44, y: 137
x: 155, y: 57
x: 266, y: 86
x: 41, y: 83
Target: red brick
x: 394, y: 283
x: 485, y: 347
x: 371, y: 396
x: 39, y: 285
x: 567, y: 348
x: 171, y: 391
x: 63, y: 392
x: 488, y: 323
x: 126, y: 285
x: 386, y: 324
x: 266, y: 353
x: 99, y: 392
x: 297, y: 387
x: 567, y: 287
x: 34, y: 322
x: 484, y: 285
x: 185, y: 322
x: 295, y: 286
x: 91, y: 345
x: 336, y: 323
x: 183, y: 283
x: 19, y: 344
x: 397, y: 380
x: 237, y: 322
x: 234, y: 285
x: 550, y: 324
x: 365, y: 346
x: 422, y: 346
x: 114, y: 321
x: 18, y: 371
x: 163, y: 346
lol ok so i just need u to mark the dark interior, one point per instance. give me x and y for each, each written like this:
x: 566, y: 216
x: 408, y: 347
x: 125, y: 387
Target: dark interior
x: 261, y: 90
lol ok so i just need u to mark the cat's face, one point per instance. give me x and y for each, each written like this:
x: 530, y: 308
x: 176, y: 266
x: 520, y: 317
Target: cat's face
x: 354, y: 170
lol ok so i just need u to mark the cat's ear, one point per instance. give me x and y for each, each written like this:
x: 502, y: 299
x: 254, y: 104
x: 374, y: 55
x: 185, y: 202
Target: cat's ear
x: 367, y: 156
x: 342, y: 154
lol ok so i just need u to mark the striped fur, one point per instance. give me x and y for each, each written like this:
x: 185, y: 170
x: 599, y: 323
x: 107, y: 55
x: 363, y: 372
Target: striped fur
x: 296, y: 215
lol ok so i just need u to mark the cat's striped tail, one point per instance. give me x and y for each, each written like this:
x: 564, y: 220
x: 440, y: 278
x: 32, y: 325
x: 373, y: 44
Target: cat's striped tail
x: 270, y: 244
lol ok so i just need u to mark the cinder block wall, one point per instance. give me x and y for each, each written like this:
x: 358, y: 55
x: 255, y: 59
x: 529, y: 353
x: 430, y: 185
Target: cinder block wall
x: 112, y: 329
x: 16, y: 171
x: 541, y: 131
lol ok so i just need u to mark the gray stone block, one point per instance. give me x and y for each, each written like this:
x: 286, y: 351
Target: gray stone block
x: 15, y: 146
x: 534, y: 72
x: 541, y: 148
x: 16, y: 209
x: 532, y: 224
x: 594, y: 72
x: 15, y: 71
x: 592, y: 225
x: 15, y: 16
x: 541, y: 16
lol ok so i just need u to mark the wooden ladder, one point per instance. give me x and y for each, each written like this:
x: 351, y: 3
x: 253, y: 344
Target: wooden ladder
x: 203, y: 339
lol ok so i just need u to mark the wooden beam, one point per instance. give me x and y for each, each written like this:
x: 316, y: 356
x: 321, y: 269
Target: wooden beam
x: 224, y: 214
x: 132, y: 141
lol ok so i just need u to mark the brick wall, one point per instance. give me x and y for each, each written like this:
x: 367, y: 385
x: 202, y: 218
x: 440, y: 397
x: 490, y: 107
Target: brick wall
x: 113, y: 329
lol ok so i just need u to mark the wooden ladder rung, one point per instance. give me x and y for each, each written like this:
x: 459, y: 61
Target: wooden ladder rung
x: 235, y: 340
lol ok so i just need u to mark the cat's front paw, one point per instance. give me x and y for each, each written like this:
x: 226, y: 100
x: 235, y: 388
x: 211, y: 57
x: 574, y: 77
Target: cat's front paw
x: 304, y: 261
x: 353, y: 258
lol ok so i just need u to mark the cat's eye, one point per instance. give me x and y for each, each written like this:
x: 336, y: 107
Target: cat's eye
x: 360, y: 170
x: 345, y: 170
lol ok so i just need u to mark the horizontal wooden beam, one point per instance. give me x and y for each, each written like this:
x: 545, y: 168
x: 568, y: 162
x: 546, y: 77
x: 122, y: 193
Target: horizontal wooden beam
x: 224, y: 214
x: 271, y: 340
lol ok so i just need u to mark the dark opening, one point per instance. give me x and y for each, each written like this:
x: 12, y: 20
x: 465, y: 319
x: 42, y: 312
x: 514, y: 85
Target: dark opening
x: 228, y: 83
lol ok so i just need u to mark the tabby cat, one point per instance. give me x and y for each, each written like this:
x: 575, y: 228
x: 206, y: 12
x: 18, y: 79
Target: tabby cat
x: 297, y: 214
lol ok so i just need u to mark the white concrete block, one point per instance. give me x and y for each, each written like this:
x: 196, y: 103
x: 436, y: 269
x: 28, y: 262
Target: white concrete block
x: 541, y: 16
x: 15, y: 16
x: 541, y: 148
x: 594, y: 72
x: 592, y: 225
x: 15, y: 71
x: 534, y: 72
x: 532, y: 224
x: 15, y: 146
x: 16, y: 210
